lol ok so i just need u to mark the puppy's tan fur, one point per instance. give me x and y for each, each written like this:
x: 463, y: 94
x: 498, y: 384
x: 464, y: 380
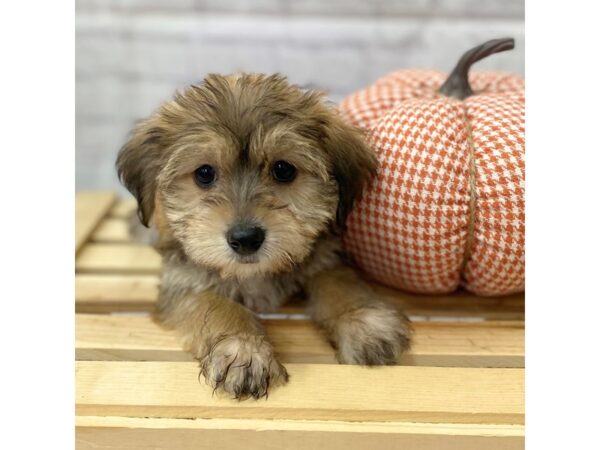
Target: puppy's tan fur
x: 241, y: 125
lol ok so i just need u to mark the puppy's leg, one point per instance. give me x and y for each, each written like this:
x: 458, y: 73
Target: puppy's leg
x: 362, y: 327
x: 228, y: 340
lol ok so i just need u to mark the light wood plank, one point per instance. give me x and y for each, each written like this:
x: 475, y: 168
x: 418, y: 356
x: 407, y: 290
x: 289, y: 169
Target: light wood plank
x: 315, y: 392
x: 108, y: 293
x: 112, y: 230
x: 441, y: 344
x: 123, y: 208
x: 111, y: 433
x: 118, y: 259
x: 90, y: 208
x: 100, y: 293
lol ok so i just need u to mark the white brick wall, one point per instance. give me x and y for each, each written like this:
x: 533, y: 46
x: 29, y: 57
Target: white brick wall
x: 132, y: 54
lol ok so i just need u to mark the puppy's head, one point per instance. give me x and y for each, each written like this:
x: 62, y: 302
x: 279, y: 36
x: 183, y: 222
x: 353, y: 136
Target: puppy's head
x: 246, y: 172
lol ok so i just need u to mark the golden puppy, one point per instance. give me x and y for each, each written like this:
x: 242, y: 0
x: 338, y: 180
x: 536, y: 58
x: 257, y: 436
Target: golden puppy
x: 248, y: 181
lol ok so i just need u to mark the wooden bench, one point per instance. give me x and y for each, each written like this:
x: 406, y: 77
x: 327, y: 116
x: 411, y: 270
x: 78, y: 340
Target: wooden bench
x: 461, y: 386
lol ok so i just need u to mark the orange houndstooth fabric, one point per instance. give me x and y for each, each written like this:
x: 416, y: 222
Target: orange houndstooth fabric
x: 447, y: 207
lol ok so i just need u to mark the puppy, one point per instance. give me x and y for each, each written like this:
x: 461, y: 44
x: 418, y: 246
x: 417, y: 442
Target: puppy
x: 248, y: 181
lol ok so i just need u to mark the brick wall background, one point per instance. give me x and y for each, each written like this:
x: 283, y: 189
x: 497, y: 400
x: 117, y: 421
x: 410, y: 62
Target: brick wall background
x: 132, y: 54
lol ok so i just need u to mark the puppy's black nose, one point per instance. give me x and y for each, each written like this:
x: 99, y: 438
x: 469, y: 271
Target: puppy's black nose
x: 245, y: 239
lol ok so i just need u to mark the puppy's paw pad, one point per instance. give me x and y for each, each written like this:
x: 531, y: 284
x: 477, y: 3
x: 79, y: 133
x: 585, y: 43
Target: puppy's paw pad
x: 372, y: 336
x: 243, y: 366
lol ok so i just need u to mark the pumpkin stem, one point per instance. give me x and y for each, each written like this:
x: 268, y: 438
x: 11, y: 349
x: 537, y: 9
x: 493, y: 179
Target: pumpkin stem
x: 457, y: 84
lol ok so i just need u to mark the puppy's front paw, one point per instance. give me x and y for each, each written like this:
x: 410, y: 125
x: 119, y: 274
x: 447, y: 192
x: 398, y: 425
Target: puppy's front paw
x: 372, y: 336
x: 242, y: 366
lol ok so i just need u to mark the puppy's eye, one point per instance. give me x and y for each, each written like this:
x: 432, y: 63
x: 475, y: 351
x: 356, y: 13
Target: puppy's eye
x: 204, y: 175
x: 283, y: 171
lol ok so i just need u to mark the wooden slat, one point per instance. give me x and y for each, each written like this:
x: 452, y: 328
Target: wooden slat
x: 90, y: 208
x: 314, y: 392
x: 104, y: 293
x: 118, y: 259
x: 107, y: 293
x: 123, y: 208
x: 458, y: 344
x: 125, y: 433
x: 112, y: 230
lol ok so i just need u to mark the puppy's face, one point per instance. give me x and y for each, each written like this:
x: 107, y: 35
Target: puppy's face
x: 245, y: 172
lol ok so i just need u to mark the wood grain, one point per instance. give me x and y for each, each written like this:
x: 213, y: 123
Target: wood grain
x: 440, y: 344
x: 111, y: 433
x: 315, y: 392
x: 90, y: 209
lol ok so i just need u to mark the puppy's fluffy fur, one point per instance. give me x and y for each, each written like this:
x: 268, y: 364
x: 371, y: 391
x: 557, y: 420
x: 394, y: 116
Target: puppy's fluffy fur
x: 240, y: 125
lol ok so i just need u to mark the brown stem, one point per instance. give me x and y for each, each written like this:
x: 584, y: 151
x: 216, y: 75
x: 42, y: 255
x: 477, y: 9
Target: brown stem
x: 457, y: 84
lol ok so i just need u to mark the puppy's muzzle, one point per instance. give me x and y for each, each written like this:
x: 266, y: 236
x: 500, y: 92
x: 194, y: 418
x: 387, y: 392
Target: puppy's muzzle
x: 245, y: 239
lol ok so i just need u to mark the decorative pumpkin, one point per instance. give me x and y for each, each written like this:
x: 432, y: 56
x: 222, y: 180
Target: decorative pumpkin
x: 447, y: 207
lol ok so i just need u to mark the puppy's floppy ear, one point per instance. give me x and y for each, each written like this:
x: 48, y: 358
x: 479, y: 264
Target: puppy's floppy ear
x: 139, y: 163
x: 354, y: 163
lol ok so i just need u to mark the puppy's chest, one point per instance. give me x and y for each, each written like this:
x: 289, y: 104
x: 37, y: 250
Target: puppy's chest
x: 263, y: 294
x: 180, y: 277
